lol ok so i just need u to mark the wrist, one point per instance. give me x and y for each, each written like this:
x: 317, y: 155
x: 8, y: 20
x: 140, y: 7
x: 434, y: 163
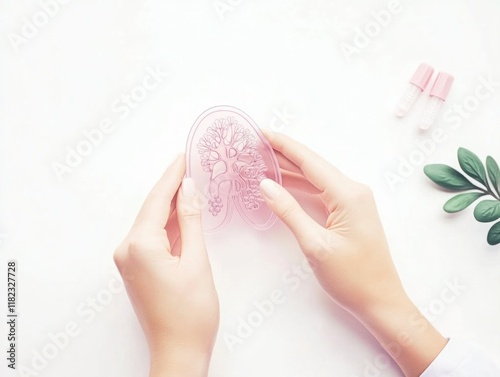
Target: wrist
x: 404, y: 332
x: 179, y: 362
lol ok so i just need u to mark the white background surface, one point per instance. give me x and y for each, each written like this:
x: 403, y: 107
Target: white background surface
x: 261, y: 56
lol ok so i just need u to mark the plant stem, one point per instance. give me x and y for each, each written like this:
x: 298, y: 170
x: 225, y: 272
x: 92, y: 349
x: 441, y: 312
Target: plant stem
x: 488, y: 191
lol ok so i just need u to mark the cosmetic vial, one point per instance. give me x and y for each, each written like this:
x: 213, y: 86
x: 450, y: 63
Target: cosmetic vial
x: 417, y: 85
x: 438, y: 94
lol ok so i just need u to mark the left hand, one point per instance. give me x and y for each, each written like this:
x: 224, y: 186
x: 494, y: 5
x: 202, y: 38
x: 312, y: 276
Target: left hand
x: 165, y: 268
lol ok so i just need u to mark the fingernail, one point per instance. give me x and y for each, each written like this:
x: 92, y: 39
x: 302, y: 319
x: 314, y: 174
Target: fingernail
x: 267, y: 133
x: 269, y: 188
x: 188, y: 189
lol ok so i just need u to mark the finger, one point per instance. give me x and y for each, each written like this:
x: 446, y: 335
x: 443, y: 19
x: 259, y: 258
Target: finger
x: 298, y: 181
x: 189, y: 218
x: 284, y: 205
x: 176, y: 247
x: 286, y: 164
x: 157, y: 206
x: 172, y: 229
x: 172, y: 216
x: 315, y: 168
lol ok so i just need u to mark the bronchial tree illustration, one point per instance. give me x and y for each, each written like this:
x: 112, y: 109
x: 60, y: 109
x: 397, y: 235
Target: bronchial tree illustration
x: 228, y: 151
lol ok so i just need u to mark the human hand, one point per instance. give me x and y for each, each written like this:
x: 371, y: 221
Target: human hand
x: 165, y: 268
x: 349, y: 254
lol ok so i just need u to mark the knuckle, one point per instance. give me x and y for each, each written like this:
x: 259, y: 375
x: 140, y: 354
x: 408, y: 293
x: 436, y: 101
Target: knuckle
x: 135, y: 246
x: 191, y: 210
x: 119, y: 256
x: 129, y: 249
x: 289, y: 211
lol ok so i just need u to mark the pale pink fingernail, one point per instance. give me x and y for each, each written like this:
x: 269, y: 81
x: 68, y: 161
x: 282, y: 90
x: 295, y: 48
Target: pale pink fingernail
x: 188, y: 189
x: 269, y: 188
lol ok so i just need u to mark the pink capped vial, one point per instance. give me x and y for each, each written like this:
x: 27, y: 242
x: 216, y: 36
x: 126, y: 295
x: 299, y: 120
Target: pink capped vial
x: 438, y: 94
x: 228, y: 156
x: 417, y: 85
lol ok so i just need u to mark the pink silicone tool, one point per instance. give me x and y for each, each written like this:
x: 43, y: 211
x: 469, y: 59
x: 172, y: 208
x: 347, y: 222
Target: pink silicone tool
x: 227, y: 156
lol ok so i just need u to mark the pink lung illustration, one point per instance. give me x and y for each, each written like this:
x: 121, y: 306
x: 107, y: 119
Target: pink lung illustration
x: 227, y: 157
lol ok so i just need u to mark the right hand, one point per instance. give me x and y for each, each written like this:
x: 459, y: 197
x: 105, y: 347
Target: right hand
x: 349, y: 254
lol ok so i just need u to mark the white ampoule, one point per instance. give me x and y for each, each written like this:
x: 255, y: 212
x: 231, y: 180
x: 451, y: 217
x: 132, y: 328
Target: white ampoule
x: 407, y: 100
x: 417, y: 85
x: 438, y: 95
x: 431, y: 111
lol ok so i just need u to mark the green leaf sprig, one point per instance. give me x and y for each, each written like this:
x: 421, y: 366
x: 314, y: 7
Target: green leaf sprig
x: 488, y: 176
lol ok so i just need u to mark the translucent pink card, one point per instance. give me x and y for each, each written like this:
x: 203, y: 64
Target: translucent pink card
x: 227, y: 156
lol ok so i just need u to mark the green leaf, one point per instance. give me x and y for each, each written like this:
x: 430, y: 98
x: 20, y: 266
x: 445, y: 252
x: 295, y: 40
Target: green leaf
x: 493, y: 173
x: 472, y: 165
x: 487, y: 210
x: 461, y: 201
x: 448, y: 178
x: 494, y: 234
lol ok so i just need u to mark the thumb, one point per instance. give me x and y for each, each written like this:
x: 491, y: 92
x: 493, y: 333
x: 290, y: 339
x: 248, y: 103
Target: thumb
x: 284, y: 205
x: 189, y: 219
